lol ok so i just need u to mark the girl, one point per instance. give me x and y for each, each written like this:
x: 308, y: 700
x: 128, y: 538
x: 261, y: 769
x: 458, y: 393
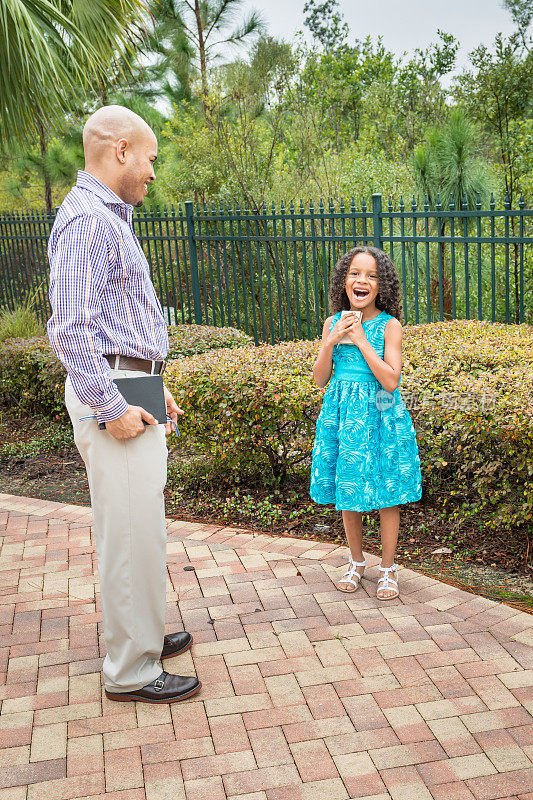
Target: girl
x: 365, y: 454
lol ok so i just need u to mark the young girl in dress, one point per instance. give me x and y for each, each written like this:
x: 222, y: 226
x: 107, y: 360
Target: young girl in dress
x: 365, y: 454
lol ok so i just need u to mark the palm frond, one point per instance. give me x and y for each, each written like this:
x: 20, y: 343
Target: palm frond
x: 51, y: 48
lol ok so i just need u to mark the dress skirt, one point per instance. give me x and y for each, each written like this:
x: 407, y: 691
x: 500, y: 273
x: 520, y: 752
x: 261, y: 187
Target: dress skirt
x: 365, y: 454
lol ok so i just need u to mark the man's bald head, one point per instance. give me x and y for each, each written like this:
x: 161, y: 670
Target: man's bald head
x: 120, y: 150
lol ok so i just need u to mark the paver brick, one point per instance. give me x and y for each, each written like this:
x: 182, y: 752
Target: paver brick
x: 495, y: 787
x: 259, y: 779
x: 163, y: 781
x: 229, y: 734
x: 270, y: 747
x: 405, y: 783
x: 454, y: 736
x: 123, y: 769
x: 209, y: 766
x: 503, y: 751
x: 205, y: 789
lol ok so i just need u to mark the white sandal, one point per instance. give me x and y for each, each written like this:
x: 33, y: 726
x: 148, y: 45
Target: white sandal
x: 351, y: 576
x: 385, y: 580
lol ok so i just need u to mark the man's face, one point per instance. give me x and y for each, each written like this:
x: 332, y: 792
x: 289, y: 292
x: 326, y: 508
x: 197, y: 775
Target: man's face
x: 138, y: 169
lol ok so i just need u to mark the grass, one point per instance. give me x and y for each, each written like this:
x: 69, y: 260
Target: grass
x: 20, y: 323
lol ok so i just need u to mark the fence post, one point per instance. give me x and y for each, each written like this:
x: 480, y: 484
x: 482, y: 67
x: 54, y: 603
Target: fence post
x: 377, y: 221
x: 195, y: 280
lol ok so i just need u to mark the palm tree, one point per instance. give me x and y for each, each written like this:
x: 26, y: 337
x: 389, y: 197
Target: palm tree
x: 51, y: 48
x: 447, y: 168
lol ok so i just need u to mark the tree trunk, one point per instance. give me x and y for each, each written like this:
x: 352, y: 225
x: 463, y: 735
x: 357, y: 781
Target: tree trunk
x: 446, y: 283
x: 44, y: 149
x: 201, y: 48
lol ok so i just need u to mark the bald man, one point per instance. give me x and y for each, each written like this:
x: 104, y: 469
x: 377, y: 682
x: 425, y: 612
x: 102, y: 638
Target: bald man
x: 107, y: 323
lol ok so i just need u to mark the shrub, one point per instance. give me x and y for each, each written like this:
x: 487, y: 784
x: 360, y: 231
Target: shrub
x: 189, y: 340
x: 252, y: 408
x: 468, y: 386
x: 31, y: 377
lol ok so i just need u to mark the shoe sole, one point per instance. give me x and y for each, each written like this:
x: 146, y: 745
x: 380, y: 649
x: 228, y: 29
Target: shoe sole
x: 127, y: 698
x: 384, y: 599
x: 178, y: 652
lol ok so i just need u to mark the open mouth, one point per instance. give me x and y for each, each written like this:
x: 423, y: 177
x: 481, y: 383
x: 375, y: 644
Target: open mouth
x: 360, y: 294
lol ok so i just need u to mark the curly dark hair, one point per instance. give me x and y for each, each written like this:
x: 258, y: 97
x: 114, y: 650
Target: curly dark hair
x: 388, y: 297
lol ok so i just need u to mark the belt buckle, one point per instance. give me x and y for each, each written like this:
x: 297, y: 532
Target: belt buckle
x: 161, y: 369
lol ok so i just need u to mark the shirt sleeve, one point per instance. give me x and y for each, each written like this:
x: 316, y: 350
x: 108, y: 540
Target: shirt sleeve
x: 78, y: 277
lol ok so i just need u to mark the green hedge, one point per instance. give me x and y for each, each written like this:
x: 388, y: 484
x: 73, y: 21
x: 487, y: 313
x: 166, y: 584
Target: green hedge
x: 253, y: 408
x: 31, y: 377
x: 190, y: 340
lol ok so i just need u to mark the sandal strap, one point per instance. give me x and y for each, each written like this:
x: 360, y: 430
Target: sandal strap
x: 348, y: 577
x: 386, y: 580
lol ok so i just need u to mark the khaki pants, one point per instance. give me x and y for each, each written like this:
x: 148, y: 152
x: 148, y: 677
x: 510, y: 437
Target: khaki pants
x: 126, y: 481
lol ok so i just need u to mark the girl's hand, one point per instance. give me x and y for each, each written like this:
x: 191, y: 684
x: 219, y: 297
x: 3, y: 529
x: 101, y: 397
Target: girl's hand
x: 356, y: 333
x: 342, y: 327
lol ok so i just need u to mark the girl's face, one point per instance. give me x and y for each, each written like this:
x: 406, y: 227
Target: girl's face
x: 362, y: 281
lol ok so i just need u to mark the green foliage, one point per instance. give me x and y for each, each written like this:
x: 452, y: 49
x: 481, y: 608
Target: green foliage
x: 252, y: 409
x: 19, y: 323
x: 53, y: 437
x: 447, y: 165
x: 190, y: 340
x: 250, y: 412
x: 49, y: 50
x: 325, y: 23
x: 472, y: 387
x: 31, y: 377
x: 497, y: 93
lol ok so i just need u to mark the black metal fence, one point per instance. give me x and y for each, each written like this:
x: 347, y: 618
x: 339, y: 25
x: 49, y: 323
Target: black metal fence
x: 266, y: 272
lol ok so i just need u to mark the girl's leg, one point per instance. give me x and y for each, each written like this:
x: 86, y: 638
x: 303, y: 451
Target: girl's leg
x: 389, y: 524
x: 353, y: 526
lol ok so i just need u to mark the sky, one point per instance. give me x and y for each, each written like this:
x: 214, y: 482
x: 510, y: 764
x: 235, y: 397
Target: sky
x: 404, y: 24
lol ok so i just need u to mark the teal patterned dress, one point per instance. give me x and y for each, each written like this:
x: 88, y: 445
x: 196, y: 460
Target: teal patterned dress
x: 365, y: 454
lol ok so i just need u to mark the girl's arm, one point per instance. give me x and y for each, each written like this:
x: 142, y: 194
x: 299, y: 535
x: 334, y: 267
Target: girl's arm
x: 324, y: 363
x: 387, y: 370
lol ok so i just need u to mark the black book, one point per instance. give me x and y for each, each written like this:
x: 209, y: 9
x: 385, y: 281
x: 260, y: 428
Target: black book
x: 145, y: 392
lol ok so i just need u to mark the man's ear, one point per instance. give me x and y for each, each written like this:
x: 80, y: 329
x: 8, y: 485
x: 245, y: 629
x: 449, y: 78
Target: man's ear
x: 120, y: 149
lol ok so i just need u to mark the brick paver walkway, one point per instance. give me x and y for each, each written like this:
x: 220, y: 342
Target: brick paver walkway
x: 308, y: 694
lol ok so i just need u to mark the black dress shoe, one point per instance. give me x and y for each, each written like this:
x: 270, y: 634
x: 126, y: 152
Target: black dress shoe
x: 165, y: 689
x: 176, y: 643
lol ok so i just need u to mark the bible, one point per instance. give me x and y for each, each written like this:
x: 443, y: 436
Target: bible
x: 146, y: 392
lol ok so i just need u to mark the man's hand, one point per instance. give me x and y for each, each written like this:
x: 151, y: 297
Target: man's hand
x: 172, y: 410
x: 130, y: 424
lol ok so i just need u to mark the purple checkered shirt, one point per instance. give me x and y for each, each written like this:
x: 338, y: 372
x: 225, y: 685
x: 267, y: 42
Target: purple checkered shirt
x: 103, y: 300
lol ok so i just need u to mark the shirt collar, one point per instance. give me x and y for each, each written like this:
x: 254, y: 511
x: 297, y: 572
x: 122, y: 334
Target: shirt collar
x: 87, y: 181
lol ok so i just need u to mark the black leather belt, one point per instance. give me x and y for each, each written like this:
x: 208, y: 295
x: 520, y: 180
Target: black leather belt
x: 136, y: 364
